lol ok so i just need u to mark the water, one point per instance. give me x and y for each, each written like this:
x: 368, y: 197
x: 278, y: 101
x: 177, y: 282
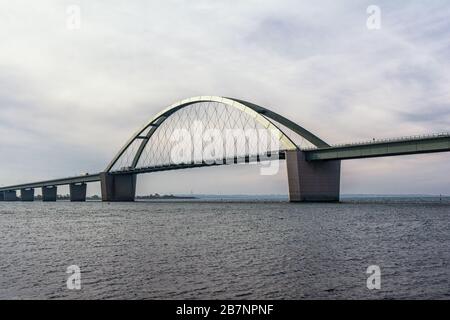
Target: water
x: 225, y: 250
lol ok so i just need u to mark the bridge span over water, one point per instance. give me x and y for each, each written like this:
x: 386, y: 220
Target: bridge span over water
x: 179, y: 136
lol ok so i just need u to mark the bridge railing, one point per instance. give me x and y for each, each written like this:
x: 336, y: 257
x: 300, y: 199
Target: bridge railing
x: 386, y: 140
x: 249, y: 158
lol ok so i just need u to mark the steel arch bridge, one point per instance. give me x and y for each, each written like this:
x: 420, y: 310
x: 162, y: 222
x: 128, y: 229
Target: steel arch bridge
x: 217, y: 113
x: 150, y: 149
x: 232, y: 131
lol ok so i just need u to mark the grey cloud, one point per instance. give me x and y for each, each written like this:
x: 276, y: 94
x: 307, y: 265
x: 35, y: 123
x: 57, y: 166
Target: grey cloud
x: 440, y: 116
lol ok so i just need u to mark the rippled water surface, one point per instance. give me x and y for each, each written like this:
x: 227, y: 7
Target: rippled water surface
x: 224, y: 250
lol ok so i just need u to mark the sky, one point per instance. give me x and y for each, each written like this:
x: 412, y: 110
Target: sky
x: 73, y: 91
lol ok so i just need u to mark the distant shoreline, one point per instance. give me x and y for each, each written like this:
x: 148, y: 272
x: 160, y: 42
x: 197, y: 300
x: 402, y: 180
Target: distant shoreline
x: 164, y: 197
x: 268, y: 197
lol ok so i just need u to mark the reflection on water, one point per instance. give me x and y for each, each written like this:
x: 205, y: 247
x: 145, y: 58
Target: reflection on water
x: 225, y: 250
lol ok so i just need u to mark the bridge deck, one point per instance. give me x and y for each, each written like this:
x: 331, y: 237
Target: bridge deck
x: 383, y: 148
x: 56, y: 182
x: 280, y: 155
x: 96, y: 177
x: 402, y: 146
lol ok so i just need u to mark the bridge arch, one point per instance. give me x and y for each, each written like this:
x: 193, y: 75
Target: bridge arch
x: 264, y: 117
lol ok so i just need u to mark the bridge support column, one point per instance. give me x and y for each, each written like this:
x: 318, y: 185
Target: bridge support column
x: 118, y: 187
x: 314, y: 181
x: 49, y: 193
x: 78, y: 192
x: 10, y: 195
x: 2, y: 196
x: 27, y: 194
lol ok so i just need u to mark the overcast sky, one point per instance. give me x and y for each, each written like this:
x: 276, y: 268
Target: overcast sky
x: 69, y: 98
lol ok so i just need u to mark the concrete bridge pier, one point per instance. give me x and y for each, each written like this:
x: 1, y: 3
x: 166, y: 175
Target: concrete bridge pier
x: 309, y: 181
x: 78, y: 192
x: 49, y: 193
x: 118, y: 187
x: 27, y: 194
x: 10, y: 195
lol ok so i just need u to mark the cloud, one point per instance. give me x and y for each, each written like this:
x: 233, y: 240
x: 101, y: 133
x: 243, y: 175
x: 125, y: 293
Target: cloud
x: 71, y: 98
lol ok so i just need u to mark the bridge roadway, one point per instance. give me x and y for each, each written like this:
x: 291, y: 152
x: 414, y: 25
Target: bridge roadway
x: 376, y: 148
x: 56, y: 182
x: 382, y: 148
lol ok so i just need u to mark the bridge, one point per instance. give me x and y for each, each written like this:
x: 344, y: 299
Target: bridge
x: 209, y: 131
